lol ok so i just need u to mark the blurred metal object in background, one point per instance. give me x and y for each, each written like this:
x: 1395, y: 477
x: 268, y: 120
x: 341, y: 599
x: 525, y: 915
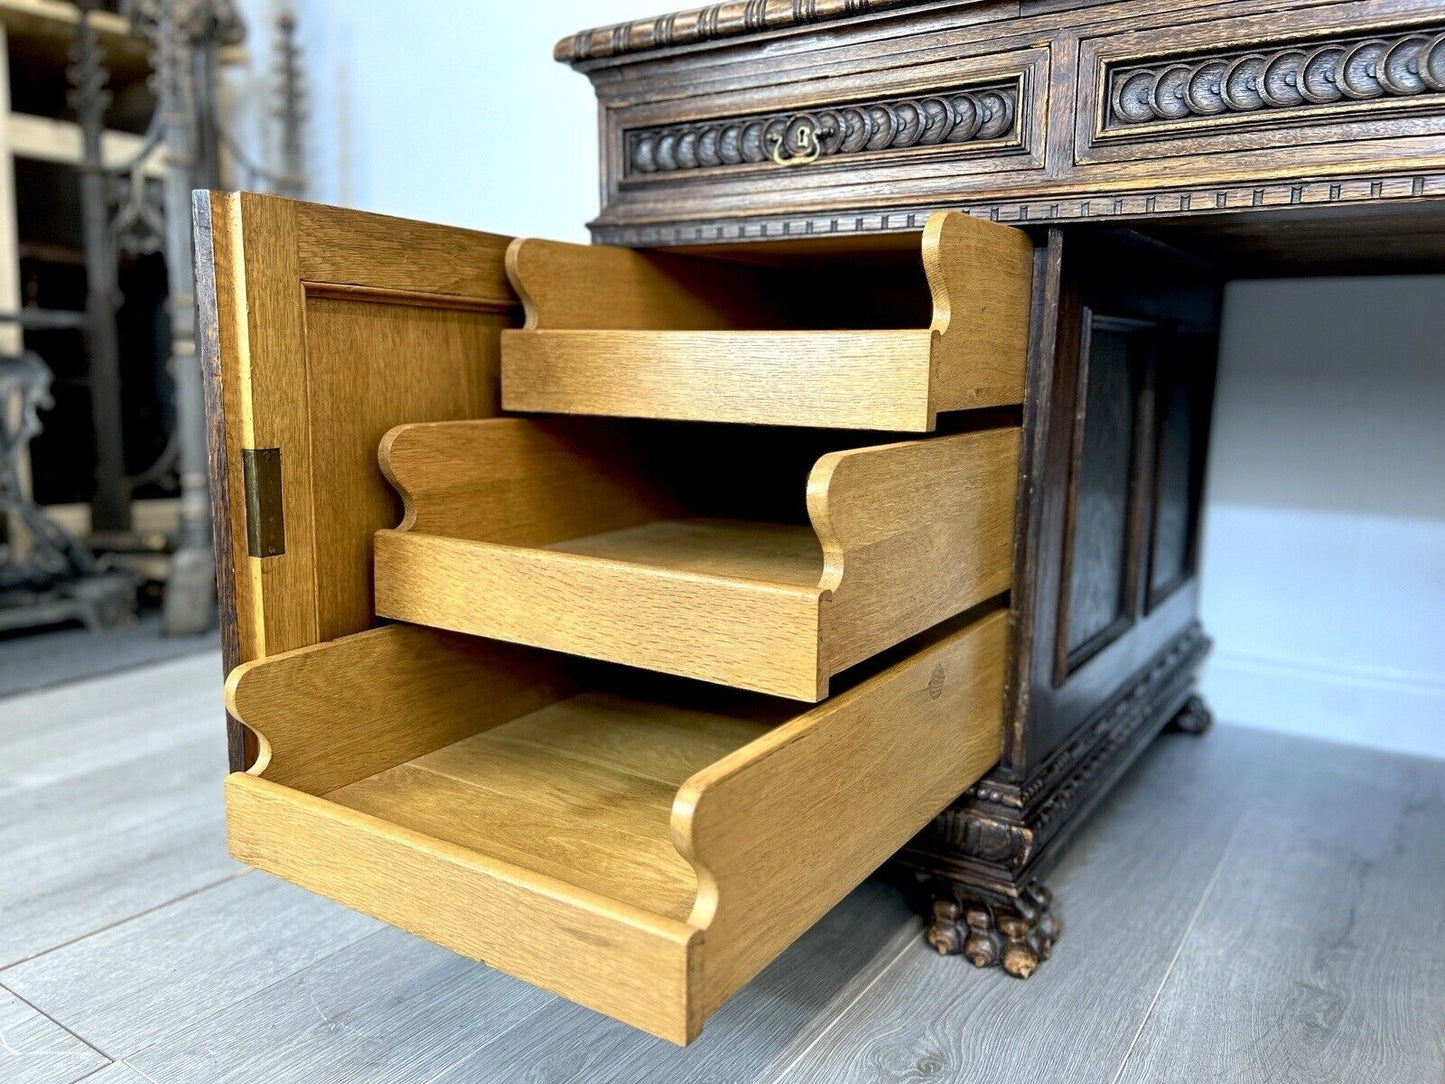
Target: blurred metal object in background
x: 137, y: 206
x: 187, y: 35
x: 58, y: 579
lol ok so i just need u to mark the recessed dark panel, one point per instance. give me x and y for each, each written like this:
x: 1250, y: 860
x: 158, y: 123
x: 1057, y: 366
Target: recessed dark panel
x: 1098, y: 556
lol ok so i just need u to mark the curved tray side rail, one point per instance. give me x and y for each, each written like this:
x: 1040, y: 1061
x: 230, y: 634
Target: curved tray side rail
x: 909, y: 533
x: 335, y: 712
x: 980, y: 276
x: 782, y: 829
x: 519, y: 481
x: 615, y: 333
x: 912, y: 534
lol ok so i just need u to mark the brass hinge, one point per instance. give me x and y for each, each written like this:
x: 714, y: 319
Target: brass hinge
x: 265, y: 517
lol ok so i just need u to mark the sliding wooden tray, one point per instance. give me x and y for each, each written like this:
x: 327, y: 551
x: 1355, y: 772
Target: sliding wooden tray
x: 614, y: 332
x: 566, y: 535
x: 640, y: 845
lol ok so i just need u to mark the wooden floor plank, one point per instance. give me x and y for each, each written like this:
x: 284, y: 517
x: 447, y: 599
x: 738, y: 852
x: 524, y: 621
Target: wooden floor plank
x: 1318, y: 955
x: 36, y: 1050
x: 111, y: 803
x: 117, y: 1072
x: 797, y: 994
x: 132, y: 985
x: 57, y: 734
x: 1125, y: 892
x: 96, y: 849
x: 390, y: 1009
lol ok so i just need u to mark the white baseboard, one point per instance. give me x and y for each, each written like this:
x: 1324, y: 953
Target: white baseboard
x: 1382, y: 709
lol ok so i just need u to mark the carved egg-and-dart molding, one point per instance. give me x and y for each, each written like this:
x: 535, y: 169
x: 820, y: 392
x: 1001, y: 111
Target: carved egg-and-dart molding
x: 948, y: 117
x: 1298, y: 75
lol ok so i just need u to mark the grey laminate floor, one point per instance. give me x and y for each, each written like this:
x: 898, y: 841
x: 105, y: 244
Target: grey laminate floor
x: 1245, y: 907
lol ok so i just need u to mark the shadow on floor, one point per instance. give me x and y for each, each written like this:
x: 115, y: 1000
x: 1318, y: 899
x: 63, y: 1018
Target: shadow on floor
x: 43, y: 658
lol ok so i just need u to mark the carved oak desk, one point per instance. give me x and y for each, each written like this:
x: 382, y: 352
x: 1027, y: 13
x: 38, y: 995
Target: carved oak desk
x: 1153, y: 149
x: 608, y: 612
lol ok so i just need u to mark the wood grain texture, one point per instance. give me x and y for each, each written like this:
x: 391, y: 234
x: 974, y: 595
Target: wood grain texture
x: 629, y: 348
x: 908, y: 534
x: 1323, y: 925
x: 521, y: 482
x: 912, y: 533
x: 567, y: 287
x: 338, y: 247
x: 1225, y: 155
x: 317, y: 320
x: 37, y: 1050
x: 118, y: 1072
x: 704, y: 24
x: 980, y: 276
x: 264, y: 354
x: 135, y: 983
x: 842, y: 380
x: 797, y: 995
x: 75, y: 823
x: 596, y: 951
x: 1126, y: 893
x: 882, y: 759
x: 390, y: 1009
x: 549, y: 804
x: 637, y: 851
x: 333, y: 713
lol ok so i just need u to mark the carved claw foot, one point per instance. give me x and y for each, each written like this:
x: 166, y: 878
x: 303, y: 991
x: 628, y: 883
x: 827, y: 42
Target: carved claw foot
x: 1193, y: 718
x: 1017, y: 936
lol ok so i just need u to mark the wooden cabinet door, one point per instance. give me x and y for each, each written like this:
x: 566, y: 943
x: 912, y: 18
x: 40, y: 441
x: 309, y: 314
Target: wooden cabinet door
x: 320, y: 329
x: 1117, y: 473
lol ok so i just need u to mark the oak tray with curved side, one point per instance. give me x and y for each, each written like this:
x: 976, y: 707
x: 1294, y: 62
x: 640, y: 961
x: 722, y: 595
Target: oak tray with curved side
x: 563, y: 535
x: 620, y: 333
x: 640, y: 845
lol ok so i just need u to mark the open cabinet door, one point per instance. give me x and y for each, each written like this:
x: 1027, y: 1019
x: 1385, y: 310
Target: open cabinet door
x: 320, y: 329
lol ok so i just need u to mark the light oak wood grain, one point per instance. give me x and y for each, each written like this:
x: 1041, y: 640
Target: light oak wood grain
x: 642, y: 849
x: 331, y: 326
x: 581, y: 287
x: 839, y: 379
x: 782, y: 828
x: 520, y: 482
x: 356, y: 706
x: 513, y: 534
x: 580, y: 944
x: 602, y: 341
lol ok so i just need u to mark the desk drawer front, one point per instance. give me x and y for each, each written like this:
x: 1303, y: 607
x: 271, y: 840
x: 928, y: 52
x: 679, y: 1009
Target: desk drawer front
x: 1252, y: 84
x: 960, y: 116
x: 984, y: 118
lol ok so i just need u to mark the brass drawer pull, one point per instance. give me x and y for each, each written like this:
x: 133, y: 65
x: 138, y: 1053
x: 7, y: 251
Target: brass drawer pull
x: 805, y: 136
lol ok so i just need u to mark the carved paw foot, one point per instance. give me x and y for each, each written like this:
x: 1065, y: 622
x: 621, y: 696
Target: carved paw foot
x: 1017, y: 935
x: 1193, y: 718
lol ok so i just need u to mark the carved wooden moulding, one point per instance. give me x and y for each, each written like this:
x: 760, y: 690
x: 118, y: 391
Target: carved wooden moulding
x: 709, y: 23
x: 1296, y: 75
x: 986, y: 114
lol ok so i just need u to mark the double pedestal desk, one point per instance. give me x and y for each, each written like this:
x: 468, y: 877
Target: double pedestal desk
x: 606, y: 613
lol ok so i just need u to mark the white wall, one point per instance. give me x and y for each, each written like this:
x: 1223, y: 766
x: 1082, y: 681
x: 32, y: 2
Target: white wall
x: 1324, y: 545
x: 1324, y: 555
x: 448, y: 110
